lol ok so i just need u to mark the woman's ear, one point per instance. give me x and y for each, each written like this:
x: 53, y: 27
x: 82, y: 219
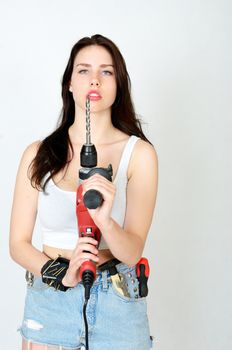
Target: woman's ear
x: 70, y: 88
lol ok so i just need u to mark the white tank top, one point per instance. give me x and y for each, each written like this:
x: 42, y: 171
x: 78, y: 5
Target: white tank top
x: 57, y: 209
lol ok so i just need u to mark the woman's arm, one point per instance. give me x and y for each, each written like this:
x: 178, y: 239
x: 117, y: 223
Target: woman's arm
x: 23, y: 216
x: 127, y: 244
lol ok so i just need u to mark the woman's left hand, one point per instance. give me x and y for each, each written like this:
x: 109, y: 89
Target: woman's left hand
x: 101, y: 215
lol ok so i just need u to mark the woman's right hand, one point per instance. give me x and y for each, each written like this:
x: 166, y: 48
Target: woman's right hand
x: 72, y: 276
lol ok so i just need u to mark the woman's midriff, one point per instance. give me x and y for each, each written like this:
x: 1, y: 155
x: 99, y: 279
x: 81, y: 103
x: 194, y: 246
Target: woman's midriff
x: 104, y: 254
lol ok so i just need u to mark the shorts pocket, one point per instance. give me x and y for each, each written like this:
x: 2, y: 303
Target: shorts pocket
x: 131, y: 285
x: 126, y: 298
x: 35, y: 283
x: 38, y: 286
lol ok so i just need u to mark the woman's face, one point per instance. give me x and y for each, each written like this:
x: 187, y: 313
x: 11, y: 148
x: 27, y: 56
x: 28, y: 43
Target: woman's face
x: 93, y: 71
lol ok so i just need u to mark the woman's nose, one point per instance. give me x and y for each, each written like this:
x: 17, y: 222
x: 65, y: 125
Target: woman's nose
x: 95, y: 82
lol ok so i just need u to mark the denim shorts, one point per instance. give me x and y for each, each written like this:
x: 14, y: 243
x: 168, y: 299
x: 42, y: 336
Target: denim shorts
x: 55, y: 318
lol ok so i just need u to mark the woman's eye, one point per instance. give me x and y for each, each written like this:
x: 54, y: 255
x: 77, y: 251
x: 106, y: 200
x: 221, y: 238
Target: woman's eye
x: 82, y: 71
x: 107, y: 72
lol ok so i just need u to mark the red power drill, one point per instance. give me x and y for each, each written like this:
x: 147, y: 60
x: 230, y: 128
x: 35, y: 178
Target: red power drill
x: 91, y: 199
x: 86, y: 226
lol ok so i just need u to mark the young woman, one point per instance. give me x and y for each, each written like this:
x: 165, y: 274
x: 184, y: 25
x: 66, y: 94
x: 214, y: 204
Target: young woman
x: 46, y: 186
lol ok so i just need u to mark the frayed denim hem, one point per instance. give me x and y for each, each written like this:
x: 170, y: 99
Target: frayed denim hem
x: 59, y: 347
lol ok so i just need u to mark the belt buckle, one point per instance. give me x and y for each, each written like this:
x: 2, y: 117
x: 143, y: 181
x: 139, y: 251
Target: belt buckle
x: 29, y: 278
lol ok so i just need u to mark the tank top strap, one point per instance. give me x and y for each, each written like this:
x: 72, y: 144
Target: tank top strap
x: 126, y: 155
x: 45, y: 178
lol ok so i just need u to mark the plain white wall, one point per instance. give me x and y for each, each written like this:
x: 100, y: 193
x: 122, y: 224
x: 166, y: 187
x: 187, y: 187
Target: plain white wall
x: 178, y: 54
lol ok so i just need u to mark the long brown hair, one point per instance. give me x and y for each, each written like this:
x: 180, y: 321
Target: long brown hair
x: 54, y: 151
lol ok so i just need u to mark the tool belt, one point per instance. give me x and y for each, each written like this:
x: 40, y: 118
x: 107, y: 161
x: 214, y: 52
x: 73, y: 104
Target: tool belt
x: 118, y: 279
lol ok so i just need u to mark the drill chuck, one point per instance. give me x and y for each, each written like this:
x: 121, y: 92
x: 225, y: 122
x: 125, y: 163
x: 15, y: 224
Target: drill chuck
x: 88, y: 156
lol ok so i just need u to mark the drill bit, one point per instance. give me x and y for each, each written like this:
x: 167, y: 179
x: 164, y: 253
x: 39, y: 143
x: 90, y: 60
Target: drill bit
x: 88, y: 135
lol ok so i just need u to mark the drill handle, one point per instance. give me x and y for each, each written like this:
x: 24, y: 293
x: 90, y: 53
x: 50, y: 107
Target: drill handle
x: 93, y: 199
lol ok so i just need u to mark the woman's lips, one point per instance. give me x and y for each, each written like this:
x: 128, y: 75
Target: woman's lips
x: 94, y: 96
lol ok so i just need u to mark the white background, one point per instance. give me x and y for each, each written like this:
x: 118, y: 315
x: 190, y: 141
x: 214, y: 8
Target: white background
x: 178, y: 54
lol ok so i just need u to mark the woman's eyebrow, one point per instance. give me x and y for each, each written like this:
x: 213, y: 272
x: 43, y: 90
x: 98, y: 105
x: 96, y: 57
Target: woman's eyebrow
x: 89, y: 65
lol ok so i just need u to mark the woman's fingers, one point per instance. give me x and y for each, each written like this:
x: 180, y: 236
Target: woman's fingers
x: 75, y: 263
x: 98, y: 182
x: 87, y: 247
x: 86, y: 243
x: 85, y: 250
x: 87, y: 240
x: 89, y: 256
x: 91, y: 185
x: 108, y: 194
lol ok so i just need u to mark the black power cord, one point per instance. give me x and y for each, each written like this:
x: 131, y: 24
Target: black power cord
x: 87, y: 279
x: 86, y: 325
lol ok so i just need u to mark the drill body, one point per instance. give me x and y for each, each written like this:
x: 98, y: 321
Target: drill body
x: 86, y: 228
x: 91, y: 199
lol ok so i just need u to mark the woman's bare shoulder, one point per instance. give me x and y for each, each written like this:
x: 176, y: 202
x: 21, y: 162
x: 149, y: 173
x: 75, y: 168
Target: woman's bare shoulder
x: 142, y: 146
x: 31, y: 150
x: 144, y: 156
x: 28, y: 155
x: 144, y: 153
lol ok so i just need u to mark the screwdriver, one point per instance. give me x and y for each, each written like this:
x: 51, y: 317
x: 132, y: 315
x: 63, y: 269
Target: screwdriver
x: 143, y: 271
